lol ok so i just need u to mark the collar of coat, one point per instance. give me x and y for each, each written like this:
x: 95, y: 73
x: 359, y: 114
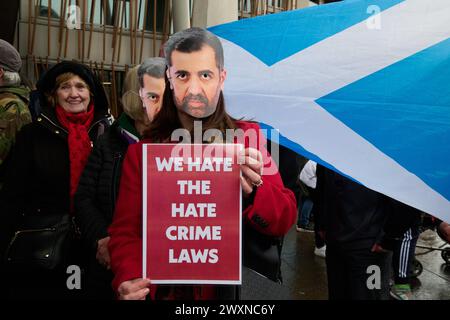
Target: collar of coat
x: 48, y: 119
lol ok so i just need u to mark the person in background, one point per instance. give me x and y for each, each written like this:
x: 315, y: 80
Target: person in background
x: 403, y: 228
x: 99, y: 184
x: 41, y: 179
x: 289, y: 165
x: 308, y: 179
x: 356, y: 222
x: 14, y: 97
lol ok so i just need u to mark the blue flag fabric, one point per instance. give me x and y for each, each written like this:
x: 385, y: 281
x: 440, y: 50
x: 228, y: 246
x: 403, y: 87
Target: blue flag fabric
x: 360, y: 86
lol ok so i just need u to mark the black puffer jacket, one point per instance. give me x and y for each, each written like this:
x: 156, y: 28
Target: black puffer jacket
x: 94, y: 205
x: 99, y: 185
x: 37, y: 180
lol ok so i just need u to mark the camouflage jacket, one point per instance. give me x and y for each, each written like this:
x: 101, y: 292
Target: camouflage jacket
x: 14, y: 114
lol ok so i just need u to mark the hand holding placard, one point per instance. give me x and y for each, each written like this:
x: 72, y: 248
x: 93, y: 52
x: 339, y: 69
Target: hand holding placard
x: 252, y: 168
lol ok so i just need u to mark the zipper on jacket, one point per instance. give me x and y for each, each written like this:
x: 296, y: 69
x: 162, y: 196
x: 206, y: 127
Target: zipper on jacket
x: 63, y: 129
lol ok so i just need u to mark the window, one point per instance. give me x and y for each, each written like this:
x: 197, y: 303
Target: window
x: 119, y: 13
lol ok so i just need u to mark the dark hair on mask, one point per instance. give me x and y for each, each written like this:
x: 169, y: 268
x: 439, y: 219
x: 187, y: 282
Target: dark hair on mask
x: 154, y: 67
x: 191, y: 40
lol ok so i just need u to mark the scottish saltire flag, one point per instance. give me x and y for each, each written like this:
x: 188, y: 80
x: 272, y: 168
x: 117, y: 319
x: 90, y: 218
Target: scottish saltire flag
x: 361, y: 86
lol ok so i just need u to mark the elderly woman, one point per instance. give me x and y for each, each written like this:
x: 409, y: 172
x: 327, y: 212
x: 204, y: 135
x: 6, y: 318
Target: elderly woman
x: 43, y: 173
x: 97, y: 193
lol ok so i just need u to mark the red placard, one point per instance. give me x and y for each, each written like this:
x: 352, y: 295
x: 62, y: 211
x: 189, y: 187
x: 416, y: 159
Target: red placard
x: 192, y: 213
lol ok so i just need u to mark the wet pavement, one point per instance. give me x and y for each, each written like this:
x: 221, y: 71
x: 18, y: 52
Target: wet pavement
x: 304, y: 273
x: 434, y: 281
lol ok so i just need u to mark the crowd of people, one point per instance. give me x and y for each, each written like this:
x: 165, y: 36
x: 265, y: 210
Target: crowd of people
x: 71, y: 183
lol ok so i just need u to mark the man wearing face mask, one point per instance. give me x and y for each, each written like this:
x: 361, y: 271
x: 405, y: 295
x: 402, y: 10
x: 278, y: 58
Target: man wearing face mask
x: 193, y: 96
x: 99, y: 184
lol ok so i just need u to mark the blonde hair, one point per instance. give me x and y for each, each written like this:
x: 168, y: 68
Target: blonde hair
x: 52, y: 97
x: 131, y: 101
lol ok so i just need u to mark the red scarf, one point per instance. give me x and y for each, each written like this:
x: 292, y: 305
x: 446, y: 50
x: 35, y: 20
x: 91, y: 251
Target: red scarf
x: 79, y: 142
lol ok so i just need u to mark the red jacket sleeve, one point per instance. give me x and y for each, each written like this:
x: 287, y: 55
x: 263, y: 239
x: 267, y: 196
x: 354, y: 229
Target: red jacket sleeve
x: 274, y: 208
x: 125, y: 245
